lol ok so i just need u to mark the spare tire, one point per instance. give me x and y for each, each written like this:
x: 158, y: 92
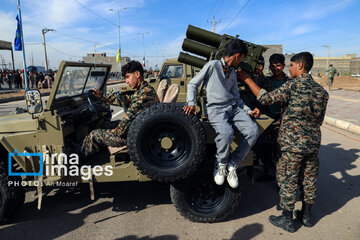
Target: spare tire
x: 199, y: 199
x: 165, y: 144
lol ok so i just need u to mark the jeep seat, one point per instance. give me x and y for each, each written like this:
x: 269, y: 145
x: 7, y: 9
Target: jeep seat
x: 166, y: 93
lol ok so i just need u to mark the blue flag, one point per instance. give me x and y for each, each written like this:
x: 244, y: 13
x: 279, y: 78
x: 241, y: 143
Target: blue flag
x: 17, y: 41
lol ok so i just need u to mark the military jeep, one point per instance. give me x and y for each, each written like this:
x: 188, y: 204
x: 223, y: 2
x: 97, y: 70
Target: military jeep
x: 38, y: 147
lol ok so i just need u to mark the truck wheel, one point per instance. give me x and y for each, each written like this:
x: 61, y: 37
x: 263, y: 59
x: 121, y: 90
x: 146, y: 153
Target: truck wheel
x: 199, y: 199
x: 165, y: 144
x: 11, y: 197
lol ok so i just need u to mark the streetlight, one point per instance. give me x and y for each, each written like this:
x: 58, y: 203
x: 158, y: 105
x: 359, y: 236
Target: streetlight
x: 143, y: 46
x: 156, y: 53
x: 163, y: 51
x: 118, y: 14
x: 327, y: 61
x: 45, y: 30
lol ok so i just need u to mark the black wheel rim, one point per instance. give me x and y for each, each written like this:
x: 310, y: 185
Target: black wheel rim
x: 205, y: 197
x: 166, y: 158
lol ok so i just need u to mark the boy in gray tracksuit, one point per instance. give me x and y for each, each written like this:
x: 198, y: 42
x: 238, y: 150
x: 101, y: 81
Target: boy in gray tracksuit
x: 225, y: 110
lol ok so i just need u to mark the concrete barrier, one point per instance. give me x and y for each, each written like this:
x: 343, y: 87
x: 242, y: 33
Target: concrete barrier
x: 342, y: 124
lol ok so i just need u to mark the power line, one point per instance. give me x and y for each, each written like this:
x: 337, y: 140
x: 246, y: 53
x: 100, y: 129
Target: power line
x: 236, y: 15
x: 211, y: 10
x: 221, y: 4
x: 214, y: 23
x: 67, y: 35
x: 104, y: 18
x: 57, y: 50
x: 227, y: 10
x: 107, y: 20
x: 32, y: 43
x: 130, y: 35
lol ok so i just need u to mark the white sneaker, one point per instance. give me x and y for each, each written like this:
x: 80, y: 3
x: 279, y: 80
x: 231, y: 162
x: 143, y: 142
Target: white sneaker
x: 232, y: 177
x: 220, y: 173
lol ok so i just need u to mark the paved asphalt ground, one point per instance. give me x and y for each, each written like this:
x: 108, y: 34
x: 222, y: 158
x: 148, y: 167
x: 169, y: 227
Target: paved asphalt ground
x: 135, y: 210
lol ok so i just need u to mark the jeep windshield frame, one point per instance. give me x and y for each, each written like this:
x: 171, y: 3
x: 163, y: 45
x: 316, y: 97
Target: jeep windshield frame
x: 75, y: 79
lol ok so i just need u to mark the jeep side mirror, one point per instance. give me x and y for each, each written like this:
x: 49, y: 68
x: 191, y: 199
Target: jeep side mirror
x: 33, y: 101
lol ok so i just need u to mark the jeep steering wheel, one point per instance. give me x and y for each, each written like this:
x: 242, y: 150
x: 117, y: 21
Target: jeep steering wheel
x: 96, y: 107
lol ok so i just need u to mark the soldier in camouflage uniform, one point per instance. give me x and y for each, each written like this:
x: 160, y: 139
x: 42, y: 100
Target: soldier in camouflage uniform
x: 267, y: 147
x: 245, y: 93
x: 299, y: 137
x: 114, y: 134
x: 331, y: 73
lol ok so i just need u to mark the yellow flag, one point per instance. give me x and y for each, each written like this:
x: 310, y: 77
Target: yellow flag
x: 118, y: 56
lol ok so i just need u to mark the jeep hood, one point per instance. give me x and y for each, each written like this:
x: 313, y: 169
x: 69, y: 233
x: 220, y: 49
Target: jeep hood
x: 18, y: 123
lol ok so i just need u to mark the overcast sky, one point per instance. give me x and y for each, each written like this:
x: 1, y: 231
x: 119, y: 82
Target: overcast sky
x: 80, y: 24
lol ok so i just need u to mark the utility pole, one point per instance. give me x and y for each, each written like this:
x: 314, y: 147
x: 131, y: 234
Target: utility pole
x: 32, y: 59
x: 143, y: 48
x: 120, y: 64
x: 45, y: 30
x: 328, y: 58
x: 2, y: 61
x: 163, y: 50
x: 156, y: 53
x: 214, y: 23
x: 94, y: 53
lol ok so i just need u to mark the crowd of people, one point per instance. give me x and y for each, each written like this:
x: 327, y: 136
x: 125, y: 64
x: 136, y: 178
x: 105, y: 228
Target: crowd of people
x: 16, y: 79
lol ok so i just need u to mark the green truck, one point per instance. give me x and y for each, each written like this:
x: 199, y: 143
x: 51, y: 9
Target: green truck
x: 38, y: 146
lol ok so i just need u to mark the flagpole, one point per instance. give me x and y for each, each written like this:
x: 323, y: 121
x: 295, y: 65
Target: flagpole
x: 23, y: 46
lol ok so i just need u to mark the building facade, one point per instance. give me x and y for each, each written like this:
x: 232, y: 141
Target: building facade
x: 345, y: 65
x: 102, y: 58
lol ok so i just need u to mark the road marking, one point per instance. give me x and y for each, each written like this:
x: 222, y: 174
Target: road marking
x: 345, y: 99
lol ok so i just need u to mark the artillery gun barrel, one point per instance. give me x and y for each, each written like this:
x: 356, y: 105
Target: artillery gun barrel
x: 203, y: 36
x: 191, y: 60
x: 212, y: 46
x: 197, y: 48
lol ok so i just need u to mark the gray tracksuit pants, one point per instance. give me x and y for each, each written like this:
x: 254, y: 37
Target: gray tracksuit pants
x: 222, y: 119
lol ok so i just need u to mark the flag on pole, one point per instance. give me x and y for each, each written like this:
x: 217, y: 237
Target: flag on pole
x: 118, y: 56
x: 17, y: 41
x: 143, y: 61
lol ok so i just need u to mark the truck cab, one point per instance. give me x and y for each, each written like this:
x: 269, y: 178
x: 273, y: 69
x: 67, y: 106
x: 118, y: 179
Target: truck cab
x: 175, y: 72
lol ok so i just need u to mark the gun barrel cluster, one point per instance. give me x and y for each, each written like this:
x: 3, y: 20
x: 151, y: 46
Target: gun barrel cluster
x: 201, y: 46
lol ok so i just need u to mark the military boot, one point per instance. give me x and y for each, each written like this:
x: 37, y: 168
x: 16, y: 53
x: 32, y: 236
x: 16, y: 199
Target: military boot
x: 285, y: 221
x: 305, y: 215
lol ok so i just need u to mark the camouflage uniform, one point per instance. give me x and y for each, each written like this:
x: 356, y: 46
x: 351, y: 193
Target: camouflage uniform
x: 299, y: 136
x: 246, y: 94
x: 143, y: 97
x: 331, y: 73
x: 269, y: 149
